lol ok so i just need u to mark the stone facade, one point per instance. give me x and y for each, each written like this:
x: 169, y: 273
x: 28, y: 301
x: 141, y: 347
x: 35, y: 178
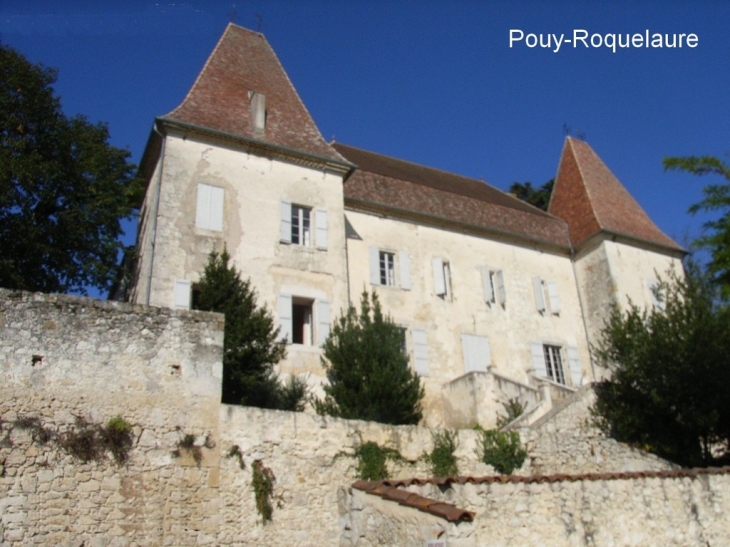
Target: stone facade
x: 480, y: 282
x: 63, y: 358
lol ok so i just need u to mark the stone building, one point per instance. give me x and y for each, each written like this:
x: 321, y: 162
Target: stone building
x: 497, y: 298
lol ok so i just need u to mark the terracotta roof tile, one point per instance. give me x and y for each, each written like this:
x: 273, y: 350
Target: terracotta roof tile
x: 591, y: 199
x: 389, y: 488
x: 405, y: 186
x: 244, y: 62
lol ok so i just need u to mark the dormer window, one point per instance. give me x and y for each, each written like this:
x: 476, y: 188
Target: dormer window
x: 258, y: 110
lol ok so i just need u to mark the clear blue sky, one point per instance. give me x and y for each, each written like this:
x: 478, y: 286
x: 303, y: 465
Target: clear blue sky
x: 432, y: 82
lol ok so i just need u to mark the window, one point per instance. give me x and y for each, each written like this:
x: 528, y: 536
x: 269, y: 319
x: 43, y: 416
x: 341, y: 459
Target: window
x: 420, y: 351
x: 304, y: 226
x: 209, y: 209
x: 548, y: 360
x: 442, y: 278
x: 546, y: 294
x: 384, y: 266
x: 493, y: 286
x: 477, y: 354
x: 303, y: 321
x: 182, y: 294
x: 387, y: 268
x: 553, y: 364
x: 300, y: 227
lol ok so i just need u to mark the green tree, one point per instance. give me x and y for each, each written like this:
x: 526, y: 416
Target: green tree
x: 669, y: 387
x: 367, y: 368
x: 539, y: 197
x: 251, y: 346
x: 717, y: 198
x: 63, y: 188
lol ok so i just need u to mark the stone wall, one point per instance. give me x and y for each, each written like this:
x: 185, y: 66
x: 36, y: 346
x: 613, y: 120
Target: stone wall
x: 63, y: 359
x: 667, y: 508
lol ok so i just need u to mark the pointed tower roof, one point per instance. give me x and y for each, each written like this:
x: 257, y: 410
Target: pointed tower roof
x: 589, y: 197
x: 241, y: 65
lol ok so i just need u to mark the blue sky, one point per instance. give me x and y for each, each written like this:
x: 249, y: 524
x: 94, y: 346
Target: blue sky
x: 432, y: 82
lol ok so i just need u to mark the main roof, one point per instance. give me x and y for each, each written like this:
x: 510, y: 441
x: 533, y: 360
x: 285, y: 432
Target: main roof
x: 592, y: 200
x: 243, y: 62
x: 412, y: 189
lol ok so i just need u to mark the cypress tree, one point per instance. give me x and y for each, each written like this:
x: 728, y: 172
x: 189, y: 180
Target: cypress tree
x: 367, y: 368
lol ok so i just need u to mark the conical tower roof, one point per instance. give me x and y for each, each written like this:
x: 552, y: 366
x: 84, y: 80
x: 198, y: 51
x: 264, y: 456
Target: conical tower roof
x: 589, y: 197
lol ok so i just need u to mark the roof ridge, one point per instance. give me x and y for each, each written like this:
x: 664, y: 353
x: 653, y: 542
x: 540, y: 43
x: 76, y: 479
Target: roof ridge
x: 537, y: 210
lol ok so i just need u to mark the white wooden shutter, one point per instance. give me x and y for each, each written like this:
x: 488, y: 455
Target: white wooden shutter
x: 182, y: 294
x: 477, y: 354
x: 501, y: 296
x: 539, y: 295
x: 538, y: 359
x: 209, y: 208
x: 420, y: 351
x: 374, y: 266
x: 320, y: 217
x: 576, y: 373
x: 439, y: 283
x: 323, y: 321
x: 487, y: 284
x: 405, y: 270
x: 552, y: 289
x: 285, y: 318
x: 285, y: 224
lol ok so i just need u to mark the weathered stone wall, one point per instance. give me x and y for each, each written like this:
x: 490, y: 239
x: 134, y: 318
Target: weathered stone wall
x: 63, y: 358
x: 566, y: 441
x: 641, y: 511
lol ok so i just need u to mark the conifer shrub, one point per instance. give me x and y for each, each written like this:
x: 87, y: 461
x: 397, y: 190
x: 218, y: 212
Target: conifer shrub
x: 368, y: 370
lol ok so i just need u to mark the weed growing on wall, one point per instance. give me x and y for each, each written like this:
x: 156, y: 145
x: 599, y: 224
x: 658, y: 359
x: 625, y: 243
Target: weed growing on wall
x: 500, y: 449
x: 513, y: 409
x: 262, y: 482
x: 372, y: 460
x: 187, y: 444
x: 441, y: 459
x: 85, y: 440
x: 235, y: 452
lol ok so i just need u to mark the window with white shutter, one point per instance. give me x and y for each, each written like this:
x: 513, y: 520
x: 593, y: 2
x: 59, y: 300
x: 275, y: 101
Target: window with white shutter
x: 493, y: 286
x: 383, y: 268
x: 420, y: 351
x: 441, y: 278
x: 182, y: 294
x: 539, y: 293
x: 209, y: 208
x: 477, y: 354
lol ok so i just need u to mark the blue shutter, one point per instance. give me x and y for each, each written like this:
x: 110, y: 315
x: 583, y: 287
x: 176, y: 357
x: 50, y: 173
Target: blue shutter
x: 320, y: 217
x: 405, y: 270
x: 285, y: 223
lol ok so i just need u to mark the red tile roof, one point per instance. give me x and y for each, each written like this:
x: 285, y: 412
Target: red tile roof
x: 591, y: 199
x: 407, y: 187
x: 244, y: 62
x: 390, y: 489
